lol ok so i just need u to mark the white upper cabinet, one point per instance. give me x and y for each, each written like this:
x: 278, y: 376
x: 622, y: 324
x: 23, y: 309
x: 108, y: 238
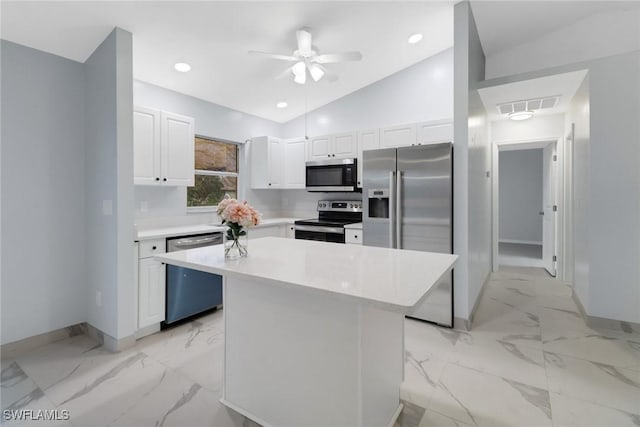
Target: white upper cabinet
x: 267, y: 162
x: 367, y: 140
x: 398, y: 136
x: 294, y: 163
x: 340, y: 145
x: 435, y: 131
x: 163, y: 148
x: 146, y: 146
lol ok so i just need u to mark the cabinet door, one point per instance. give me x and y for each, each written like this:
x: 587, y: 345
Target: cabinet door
x: 178, y: 151
x: 146, y: 146
x: 276, y: 163
x: 367, y: 140
x: 294, y: 166
x: 319, y: 148
x: 398, y: 136
x: 151, y: 292
x: 345, y: 145
x: 435, y: 132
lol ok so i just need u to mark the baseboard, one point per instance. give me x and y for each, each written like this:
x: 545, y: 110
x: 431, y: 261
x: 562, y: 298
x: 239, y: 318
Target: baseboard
x: 461, y: 324
x: 521, y: 242
x: 17, y: 348
x: 480, y: 295
x: 603, y: 322
x: 148, y: 330
x: 110, y: 343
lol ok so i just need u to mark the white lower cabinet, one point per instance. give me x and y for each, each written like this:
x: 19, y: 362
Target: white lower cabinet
x: 353, y: 236
x: 151, y: 284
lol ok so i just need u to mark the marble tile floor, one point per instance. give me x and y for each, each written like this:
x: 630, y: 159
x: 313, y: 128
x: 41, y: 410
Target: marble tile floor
x: 529, y: 361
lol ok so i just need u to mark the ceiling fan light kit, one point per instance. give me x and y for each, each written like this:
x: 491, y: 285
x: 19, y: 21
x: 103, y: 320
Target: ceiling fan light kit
x: 308, y: 59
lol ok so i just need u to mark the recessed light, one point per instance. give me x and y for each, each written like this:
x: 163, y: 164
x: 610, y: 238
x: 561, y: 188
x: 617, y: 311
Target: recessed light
x: 282, y: 104
x: 521, y: 115
x: 415, y: 38
x: 183, y: 67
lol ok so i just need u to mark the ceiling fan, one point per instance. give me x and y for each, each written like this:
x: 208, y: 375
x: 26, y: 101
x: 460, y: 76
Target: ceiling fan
x: 308, y: 60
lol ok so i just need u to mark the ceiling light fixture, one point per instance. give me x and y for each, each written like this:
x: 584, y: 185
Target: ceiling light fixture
x: 300, y: 72
x: 282, y: 104
x: 415, y: 38
x: 521, y: 115
x: 183, y: 67
x: 316, y: 72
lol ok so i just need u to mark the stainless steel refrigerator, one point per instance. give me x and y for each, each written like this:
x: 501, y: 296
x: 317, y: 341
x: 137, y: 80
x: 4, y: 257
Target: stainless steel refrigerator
x: 408, y: 204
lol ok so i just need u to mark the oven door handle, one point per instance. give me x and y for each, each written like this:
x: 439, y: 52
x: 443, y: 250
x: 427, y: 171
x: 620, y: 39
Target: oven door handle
x: 319, y: 229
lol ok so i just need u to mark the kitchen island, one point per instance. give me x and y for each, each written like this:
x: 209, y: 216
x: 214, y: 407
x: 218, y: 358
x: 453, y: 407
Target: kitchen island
x: 314, y: 331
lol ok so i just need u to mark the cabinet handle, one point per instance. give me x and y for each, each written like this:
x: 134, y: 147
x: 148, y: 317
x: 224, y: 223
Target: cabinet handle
x: 355, y: 236
x: 269, y: 184
x: 164, y: 179
x: 333, y: 155
x: 328, y: 155
x: 157, y: 179
x: 153, y: 248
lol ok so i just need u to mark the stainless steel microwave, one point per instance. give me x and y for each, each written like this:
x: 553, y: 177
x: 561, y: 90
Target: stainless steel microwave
x: 332, y: 175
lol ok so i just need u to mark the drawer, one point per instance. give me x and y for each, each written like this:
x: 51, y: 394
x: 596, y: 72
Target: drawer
x: 353, y: 236
x: 149, y: 248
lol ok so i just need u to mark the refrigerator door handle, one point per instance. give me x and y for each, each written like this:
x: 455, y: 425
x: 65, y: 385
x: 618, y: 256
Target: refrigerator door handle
x: 398, y: 210
x: 392, y: 213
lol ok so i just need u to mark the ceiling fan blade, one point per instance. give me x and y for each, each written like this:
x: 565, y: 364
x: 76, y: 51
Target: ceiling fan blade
x: 303, y: 35
x: 273, y: 55
x: 331, y: 58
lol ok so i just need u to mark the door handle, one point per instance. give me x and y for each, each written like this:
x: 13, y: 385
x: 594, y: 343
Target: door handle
x: 392, y: 213
x: 541, y: 213
x: 399, y: 210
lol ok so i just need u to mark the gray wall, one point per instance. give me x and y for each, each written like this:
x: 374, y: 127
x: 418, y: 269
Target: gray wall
x: 211, y: 120
x: 109, y: 185
x: 472, y: 189
x: 521, y: 196
x: 43, y: 194
x: 417, y: 93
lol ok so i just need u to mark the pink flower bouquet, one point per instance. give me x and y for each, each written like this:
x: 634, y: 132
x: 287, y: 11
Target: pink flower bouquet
x: 236, y: 216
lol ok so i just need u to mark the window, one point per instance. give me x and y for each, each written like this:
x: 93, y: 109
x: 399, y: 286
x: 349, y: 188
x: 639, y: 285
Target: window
x: 216, y: 173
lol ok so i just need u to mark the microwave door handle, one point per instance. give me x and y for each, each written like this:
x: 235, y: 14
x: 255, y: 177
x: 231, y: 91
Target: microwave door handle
x: 392, y: 213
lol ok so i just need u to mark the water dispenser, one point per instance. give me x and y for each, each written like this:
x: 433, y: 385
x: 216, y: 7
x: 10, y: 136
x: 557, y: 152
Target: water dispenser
x: 378, y: 203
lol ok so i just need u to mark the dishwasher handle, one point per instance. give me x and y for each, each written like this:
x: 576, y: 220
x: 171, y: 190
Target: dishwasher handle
x: 196, y: 242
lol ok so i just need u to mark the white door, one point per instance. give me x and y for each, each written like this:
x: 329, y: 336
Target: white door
x: 276, y: 163
x: 319, y: 148
x: 367, y: 140
x: 294, y: 168
x: 398, y: 136
x: 178, y: 151
x: 151, y: 292
x: 345, y: 145
x: 549, y: 174
x: 146, y: 146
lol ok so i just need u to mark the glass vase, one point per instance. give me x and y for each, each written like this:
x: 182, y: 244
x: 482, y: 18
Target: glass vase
x: 236, y: 243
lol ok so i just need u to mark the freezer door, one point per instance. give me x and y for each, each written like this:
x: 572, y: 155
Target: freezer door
x: 425, y: 212
x: 379, y: 167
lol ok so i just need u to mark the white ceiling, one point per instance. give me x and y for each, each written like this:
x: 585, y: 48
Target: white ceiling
x: 565, y: 85
x: 504, y: 24
x: 214, y: 38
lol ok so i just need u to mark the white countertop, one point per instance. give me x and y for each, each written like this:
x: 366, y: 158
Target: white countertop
x: 355, y: 226
x: 392, y: 279
x: 160, y: 233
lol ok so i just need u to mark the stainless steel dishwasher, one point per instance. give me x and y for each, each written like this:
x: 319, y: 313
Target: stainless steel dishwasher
x: 190, y: 292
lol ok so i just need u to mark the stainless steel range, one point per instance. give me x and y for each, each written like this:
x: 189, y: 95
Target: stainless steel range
x: 333, y: 215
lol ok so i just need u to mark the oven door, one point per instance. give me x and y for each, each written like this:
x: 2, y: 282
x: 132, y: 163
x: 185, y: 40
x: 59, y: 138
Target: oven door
x: 320, y: 234
x: 331, y: 175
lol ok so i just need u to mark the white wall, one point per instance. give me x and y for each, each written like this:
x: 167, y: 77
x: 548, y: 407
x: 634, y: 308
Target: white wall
x: 471, y: 126
x: 538, y: 127
x: 417, y: 93
x: 168, y: 205
x: 520, y: 196
x: 109, y: 189
x: 43, y: 206
x: 596, y: 36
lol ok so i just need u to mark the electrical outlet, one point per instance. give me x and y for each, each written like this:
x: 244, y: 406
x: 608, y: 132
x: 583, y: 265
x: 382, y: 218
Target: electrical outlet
x: 99, y: 298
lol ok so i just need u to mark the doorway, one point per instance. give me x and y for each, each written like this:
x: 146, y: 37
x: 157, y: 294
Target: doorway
x: 525, y: 199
